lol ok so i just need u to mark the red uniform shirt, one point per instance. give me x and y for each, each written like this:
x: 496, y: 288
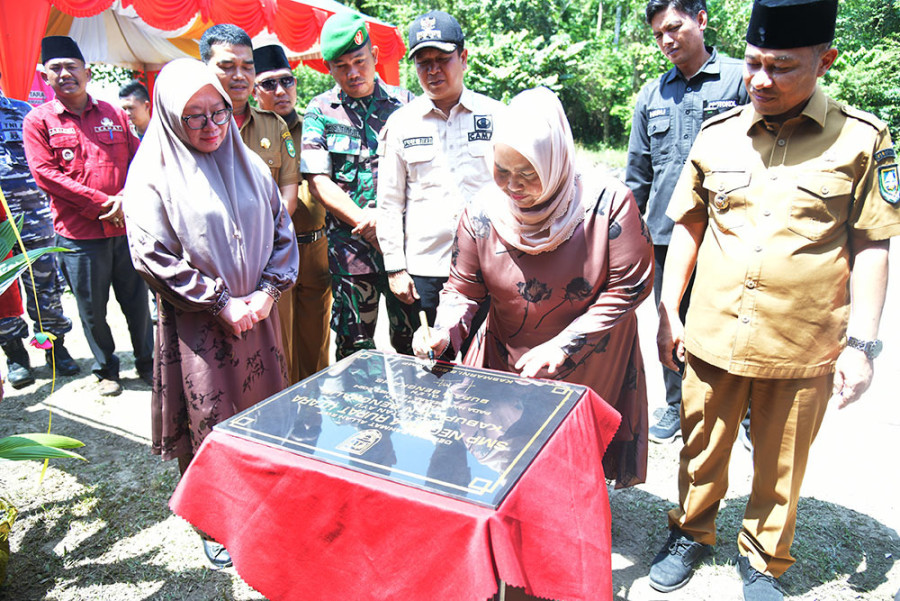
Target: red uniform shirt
x: 79, y: 162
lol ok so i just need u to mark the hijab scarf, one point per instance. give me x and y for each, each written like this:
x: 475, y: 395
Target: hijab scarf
x: 536, y: 127
x: 215, y: 210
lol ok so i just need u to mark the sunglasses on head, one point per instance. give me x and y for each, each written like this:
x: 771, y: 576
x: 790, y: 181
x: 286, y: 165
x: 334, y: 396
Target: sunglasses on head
x: 270, y: 85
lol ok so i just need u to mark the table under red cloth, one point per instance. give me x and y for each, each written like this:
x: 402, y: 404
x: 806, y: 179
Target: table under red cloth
x: 301, y: 529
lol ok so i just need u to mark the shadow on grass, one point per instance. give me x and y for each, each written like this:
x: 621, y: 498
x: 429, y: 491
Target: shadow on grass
x: 70, y: 539
x: 832, y: 543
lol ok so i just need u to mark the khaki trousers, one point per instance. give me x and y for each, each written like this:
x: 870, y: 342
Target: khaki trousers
x: 305, y: 312
x: 784, y: 421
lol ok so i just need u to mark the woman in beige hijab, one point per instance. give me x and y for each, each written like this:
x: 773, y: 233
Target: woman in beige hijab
x: 565, y: 264
x: 208, y: 232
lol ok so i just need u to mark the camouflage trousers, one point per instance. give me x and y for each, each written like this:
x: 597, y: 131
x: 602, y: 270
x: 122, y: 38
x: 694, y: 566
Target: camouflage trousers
x: 37, y: 232
x: 354, y: 314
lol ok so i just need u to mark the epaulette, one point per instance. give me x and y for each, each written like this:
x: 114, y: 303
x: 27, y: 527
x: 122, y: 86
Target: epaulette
x: 732, y: 112
x: 863, y: 116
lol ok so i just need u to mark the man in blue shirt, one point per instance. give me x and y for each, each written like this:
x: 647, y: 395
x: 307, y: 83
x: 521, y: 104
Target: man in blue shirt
x: 667, y: 118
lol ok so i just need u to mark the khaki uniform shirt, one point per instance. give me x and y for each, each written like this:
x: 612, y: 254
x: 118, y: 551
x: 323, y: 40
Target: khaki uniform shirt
x: 266, y: 134
x: 310, y: 214
x: 782, y: 207
x: 430, y: 165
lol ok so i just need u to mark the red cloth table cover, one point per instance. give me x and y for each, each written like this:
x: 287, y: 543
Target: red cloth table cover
x: 299, y: 528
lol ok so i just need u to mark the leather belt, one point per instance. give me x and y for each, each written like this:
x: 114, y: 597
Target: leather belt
x: 311, y: 236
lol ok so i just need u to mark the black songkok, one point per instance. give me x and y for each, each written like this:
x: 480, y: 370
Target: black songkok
x: 784, y: 24
x: 59, y: 46
x: 270, y: 58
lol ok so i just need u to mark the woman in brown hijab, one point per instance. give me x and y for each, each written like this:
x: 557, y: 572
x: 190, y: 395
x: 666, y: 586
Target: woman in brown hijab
x: 208, y: 232
x: 565, y: 261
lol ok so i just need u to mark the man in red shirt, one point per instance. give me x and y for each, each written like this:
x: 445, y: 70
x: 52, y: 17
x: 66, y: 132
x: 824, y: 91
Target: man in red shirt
x: 79, y: 149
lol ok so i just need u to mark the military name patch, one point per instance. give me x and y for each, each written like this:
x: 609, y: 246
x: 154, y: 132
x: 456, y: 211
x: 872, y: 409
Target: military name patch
x: 889, y: 183
x: 658, y: 113
x: 340, y: 128
x: 423, y: 141
x: 887, y: 153
x: 59, y: 131
x: 720, y: 105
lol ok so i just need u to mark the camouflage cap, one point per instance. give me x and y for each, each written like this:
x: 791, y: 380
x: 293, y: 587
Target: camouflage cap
x: 343, y: 32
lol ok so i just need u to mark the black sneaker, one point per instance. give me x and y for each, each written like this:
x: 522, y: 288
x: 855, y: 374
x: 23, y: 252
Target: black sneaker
x: 758, y: 586
x: 668, y: 427
x: 674, y: 564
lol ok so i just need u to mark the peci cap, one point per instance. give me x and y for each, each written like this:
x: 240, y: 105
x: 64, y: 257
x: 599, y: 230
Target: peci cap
x: 59, y: 46
x: 784, y: 24
x: 435, y: 29
x: 343, y: 32
x: 270, y: 58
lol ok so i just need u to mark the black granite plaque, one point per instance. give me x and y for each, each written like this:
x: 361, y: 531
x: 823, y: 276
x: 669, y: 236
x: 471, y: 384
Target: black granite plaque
x: 457, y: 431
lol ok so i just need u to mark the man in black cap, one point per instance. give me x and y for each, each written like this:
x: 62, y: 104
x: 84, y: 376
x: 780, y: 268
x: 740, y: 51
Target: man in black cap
x: 304, y: 309
x: 667, y: 117
x: 79, y: 149
x: 437, y: 153
x: 786, y: 207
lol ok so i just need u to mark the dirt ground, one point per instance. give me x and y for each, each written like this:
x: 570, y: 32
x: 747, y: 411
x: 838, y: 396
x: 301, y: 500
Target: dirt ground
x: 101, y: 529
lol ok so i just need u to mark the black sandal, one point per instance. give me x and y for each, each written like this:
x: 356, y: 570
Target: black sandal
x: 217, y: 554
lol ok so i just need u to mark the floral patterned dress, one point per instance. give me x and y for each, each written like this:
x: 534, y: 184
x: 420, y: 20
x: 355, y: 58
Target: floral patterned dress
x: 580, y: 296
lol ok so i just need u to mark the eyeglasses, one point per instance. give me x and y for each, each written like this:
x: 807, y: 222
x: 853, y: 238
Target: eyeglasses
x: 270, y: 85
x: 219, y: 117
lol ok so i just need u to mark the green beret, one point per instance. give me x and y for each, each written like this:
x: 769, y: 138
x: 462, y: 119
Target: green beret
x: 343, y: 32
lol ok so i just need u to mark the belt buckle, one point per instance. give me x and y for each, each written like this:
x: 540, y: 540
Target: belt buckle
x: 310, y: 237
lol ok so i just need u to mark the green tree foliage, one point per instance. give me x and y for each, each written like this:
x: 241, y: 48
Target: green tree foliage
x: 598, y: 53
x: 869, y: 78
x: 867, y: 71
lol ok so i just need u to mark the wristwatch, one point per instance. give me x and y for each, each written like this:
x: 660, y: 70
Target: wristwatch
x: 872, y: 348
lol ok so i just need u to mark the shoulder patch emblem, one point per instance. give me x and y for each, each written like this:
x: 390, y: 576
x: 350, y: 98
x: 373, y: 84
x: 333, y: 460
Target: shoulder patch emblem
x: 289, y: 144
x: 887, y: 153
x: 889, y: 183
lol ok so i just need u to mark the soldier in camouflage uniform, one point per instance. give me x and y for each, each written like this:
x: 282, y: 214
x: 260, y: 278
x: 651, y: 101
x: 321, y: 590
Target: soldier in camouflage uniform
x: 340, y: 157
x: 24, y: 197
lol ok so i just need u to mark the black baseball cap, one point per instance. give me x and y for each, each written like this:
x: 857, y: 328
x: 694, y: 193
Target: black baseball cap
x: 435, y: 29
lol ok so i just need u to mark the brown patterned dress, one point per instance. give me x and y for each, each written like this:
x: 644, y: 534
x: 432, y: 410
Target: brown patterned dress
x: 580, y: 296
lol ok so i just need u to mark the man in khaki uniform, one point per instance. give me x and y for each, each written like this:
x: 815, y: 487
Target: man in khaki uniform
x: 227, y: 50
x: 306, y: 308
x: 786, y: 206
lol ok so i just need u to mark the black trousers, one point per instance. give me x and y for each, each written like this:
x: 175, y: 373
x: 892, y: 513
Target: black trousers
x: 429, y: 289
x: 671, y: 379
x: 90, y: 268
